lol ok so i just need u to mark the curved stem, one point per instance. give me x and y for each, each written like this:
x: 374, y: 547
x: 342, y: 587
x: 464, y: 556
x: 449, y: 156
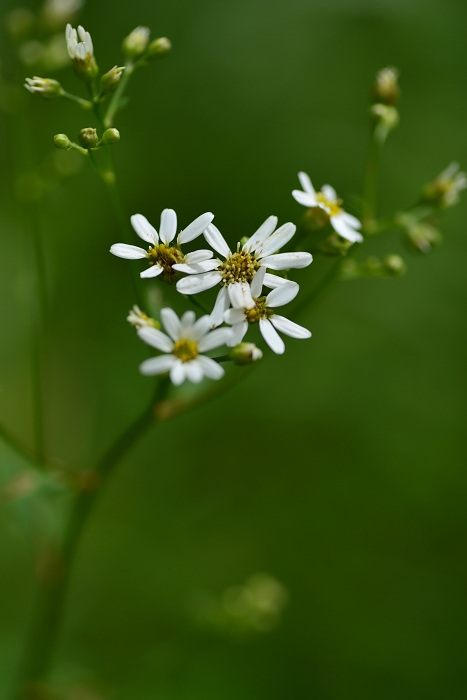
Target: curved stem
x: 370, y: 183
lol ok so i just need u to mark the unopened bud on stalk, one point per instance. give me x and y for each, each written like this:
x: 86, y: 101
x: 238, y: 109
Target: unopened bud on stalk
x: 423, y: 237
x: 81, y: 52
x: 245, y: 354
x: 444, y: 190
x: 88, y: 137
x: 136, y: 43
x: 386, y: 88
x: 394, y: 266
x: 158, y: 48
x: 111, y: 79
x: 386, y: 117
x: 45, y: 87
x: 138, y: 319
x: 110, y: 136
x: 63, y: 142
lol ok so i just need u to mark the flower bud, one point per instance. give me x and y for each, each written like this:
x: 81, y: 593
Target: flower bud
x: 394, y: 266
x: 88, y: 137
x: 136, y: 43
x: 386, y: 88
x: 444, y: 190
x: 138, y: 319
x: 110, y: 136
x: 158, y: 48
x: 245, y: 354
x: 45, y: 87
x: 386, y: 117
x: 111, y: 79
x: 63, y: 142
x: 423, y: 237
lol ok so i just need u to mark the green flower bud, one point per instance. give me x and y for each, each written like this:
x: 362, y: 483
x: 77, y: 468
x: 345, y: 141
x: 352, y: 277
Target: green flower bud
x: 110, y: 136
x: 444, y: 190
x: 386, y: 117
x: 394, y: 266
x: 45, y: 87
x: 111, y: 79
x: 386, y: 88
x: 88, y: 137
x: 136, y: 43
x: 158, y: 48
x: 63, y: 142
x: 245, y: 354
x: 423, y: 237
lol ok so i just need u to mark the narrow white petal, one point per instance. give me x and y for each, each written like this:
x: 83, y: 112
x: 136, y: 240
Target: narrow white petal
x: 289, y: 327
x: 306, y: 184
x: 157, y: 365
x: 214, y: 339
x: 271, y: 336
x: 257, y: 283
x: 178, y: 372
x: 240, y: 295
x: 304, y: 198
x: 68, y: 30
x: 155, y: 338
x: 234, y: 316
x: 216, y: 240
x: 198, y: 256
x: 221, y: 305
x: 198, y: 283
x: 81, y: 51
x: 171, y: 323
x: 329, y: 192
x: 211, y: 368
x: 188, y: 321
x: 238, y: 333
x: 343, y: 229
x: 282, y: 295
x: 196, y: 268
x: 82, y: 33
x: 168, y: 227
x: 130, y: 252
x: 196, y: 228
x: 285, y: 261
x: 144, y: 229
x: 202, y: 326
x: 194, y: 371
x: 261, y: 234
x: 71, y: 47
x: 153, y: 271
x: 273, y: 281
x: 277, y: 240
x: 351, y: 220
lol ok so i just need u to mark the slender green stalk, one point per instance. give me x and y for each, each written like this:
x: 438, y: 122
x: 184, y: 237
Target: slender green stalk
x: 115, y: 102
x: 85, y: 104
x: 196, y: 303
x: 370, y: 183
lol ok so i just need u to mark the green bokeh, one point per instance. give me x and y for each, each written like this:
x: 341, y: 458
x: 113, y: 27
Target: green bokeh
x: 338, y: 468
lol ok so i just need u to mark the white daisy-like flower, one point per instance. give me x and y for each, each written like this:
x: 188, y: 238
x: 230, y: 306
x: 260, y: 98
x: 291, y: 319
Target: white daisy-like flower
x: 236, y: 272
x: 263, y: 313
x: 187, y: 338
x: 82, y: 50
x: 164, y: 254
x: 344, y: 224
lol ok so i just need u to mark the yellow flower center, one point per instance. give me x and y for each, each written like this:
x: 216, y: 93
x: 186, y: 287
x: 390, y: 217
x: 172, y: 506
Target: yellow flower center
x: 238, y: 267
x: 166, y: 257
x: 334, y: 206
x: 259, y: 311
x: 185, y: 350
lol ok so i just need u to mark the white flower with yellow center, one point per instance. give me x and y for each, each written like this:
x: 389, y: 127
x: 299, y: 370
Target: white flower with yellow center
x: 164, y: 255
x: 344, y: 224
x: 187, y: 338
x: 236, y: 272
x: 79, y: 50
x: 263, y: 313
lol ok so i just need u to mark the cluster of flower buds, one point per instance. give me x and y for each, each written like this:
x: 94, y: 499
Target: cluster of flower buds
x: 385, y: 95
x: 138, y: 47
x: 88, y: 139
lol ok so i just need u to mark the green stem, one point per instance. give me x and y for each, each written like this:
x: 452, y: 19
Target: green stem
x: 114, y: 104
x: 52, y: 587
x: 370, y: 184
x: 196, y: 303
x: 85, y: 104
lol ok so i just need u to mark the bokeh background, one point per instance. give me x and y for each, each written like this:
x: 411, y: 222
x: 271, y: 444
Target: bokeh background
x: 339, y: 468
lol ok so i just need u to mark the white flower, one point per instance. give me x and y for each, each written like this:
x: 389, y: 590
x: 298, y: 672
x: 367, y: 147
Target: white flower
x: 138, y: 319
x: 79, y: 50
x: 57, y: 11
x: 46, y: 87
x: 188, y: 338
x: 445, y: 188
x: 163, y: 255
x: 236, y: 272
x: 344, y: 224
x: 262, y: 313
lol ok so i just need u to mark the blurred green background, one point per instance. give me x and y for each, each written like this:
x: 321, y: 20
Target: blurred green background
x: 338, y: 468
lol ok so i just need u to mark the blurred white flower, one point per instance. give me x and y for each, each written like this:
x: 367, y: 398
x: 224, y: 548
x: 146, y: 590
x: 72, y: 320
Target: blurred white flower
x: 445, y: 188
x: 263, y: 313
x: 344, y: 224
x: 187, y: 338
x: 138, y: 319
x: 79, y: 50
x: 58, y: 12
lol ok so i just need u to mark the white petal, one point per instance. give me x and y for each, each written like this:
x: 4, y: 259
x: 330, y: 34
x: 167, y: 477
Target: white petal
x: 211, y: 368
x: 214, y: 339
x: 216, y: 240
x: 289, y: 327
x: 194, y: 371
x: 82, y: 33
x: 81, y: 51
x: 153, y: 271
x: 178, y: 372
x: 240, y: 295
x: 201, y: 328
x: 351, y: 220
x: 171, y: 323
x: 196, y: 228
x: 157, y: 365
x: 144, y: 229
x: 188, y: 321
x: 284, y: 261
x: 273, y: 281
x: 277, y: 240
x: 221, y: 305
x: 343, y: 229
x: 329, y: 192
x: 257, y: 283
x: 261, y: 234
x: 198, y: 283
x: 196, y: 268
x: 306, y: 184
x: 198, y: 256
x: 282, y: 295
x: 130, y: 252
x: 234, y: 316
x: 271, y: 336
x: 303, y: 198
x: 71, y: 47
x: 155, y: 338
x: 238, y: 333
x: 168, y: 227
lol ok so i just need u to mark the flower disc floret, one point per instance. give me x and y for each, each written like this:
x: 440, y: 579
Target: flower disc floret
x: 238, y: 267
x: 333, y: 206
x: 165, y: 257
x: 259, y: 311
x: 186, y: 349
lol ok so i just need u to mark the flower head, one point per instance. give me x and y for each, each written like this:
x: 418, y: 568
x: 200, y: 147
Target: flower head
x: 139, y: 319
x: 187, y: 339
x: 444, y: 190
x: 45, y: 87
x: 263, y: 313
x: 327, y: 201
x: 136, y: 43
x: 165, y: 255
x: 81, y: 52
